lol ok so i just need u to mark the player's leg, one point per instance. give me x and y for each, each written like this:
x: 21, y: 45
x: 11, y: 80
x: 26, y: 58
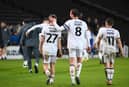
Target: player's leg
x: 79, y: 65
x: 108, y: 69
x: 4, y: 54
x: 85, y: 55
x: 52, y: 68
x: 72, y: 60
x: 52, y: 73
x: 29, y: 52
x: 36, y: 54
x: 46, y: 62
x: 101, y: 57
x: 1, y: 54
x: 111, y: 69
x: 25, y: 55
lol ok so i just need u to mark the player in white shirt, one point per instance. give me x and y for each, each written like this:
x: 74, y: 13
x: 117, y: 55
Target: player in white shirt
x: 111, y: 37
x: 76, y: 29
x: 50, y: 42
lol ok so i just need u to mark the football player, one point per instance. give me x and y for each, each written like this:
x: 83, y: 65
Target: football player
x: 76, y: 29
x: 111, y: 38
x: 50, y: 42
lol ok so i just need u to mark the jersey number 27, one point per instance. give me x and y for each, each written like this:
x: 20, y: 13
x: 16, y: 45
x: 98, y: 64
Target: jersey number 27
x: 51, y: 38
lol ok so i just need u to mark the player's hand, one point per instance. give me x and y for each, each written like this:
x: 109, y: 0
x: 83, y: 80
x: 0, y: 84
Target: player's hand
x: 95, y: 46
x: 59, y: 53
x: 27, y: 33
x: 54, y: 21
x: 88, y: 49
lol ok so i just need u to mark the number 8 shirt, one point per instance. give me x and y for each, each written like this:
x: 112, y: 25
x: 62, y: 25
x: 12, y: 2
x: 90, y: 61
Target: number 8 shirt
x: 51, y: 36
x: 76, y: 33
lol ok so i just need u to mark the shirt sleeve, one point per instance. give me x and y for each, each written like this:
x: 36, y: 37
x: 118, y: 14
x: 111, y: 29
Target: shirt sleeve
x: 67, y: 25
x: 34, y: 27
x: 63, y: 27
x: 117, y: 35
x: 59, y: 34
x: 59, y: 28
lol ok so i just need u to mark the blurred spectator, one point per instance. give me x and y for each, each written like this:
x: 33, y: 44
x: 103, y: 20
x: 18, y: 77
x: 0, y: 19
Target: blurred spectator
x: 1, y: 52
x: 5, y: 37
x: 14, y: 40
x: 1, y: 44
x: 93, y: 24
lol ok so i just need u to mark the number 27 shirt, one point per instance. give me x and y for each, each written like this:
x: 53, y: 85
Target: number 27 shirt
x: 51, y: 39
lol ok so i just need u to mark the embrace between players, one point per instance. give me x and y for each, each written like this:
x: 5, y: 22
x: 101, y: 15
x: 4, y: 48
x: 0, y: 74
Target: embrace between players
x: 50, y: 43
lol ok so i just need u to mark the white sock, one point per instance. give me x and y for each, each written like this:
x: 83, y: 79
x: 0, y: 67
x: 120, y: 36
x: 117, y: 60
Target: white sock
x: 108, y: 72
x: 36, y: 64
x: 25, y: 62
x: 79, y: 68
x: 47, y: 72
x: 111, y: 73
x: 52, y: 76
x: 100, y: 56
x: 72, y: 73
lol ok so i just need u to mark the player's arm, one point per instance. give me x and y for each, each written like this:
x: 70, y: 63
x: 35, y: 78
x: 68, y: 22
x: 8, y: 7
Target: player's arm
x: 120, y: 46
x: 97, y: 44
x: 59, y: 47
x: 88, y: 41
x: 59, y: 28
x: 119, y: 43
x: 32, y: 29
x: 41, y: 41
x: 98, y: 38
x: 63, y: 27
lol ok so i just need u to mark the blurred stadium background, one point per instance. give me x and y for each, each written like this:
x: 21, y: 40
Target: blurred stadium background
x: 14, y: 12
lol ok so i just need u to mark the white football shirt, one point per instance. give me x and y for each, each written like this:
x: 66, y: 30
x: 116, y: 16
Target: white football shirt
x: 51, y: 40
x: 76, y: 33
x: 109, y: 37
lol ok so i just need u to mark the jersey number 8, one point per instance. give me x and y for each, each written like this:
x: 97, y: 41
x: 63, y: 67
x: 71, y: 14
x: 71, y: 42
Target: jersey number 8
x: 78, y: 31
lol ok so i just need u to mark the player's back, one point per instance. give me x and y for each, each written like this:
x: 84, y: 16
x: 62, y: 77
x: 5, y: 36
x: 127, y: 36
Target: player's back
x: 51, y: 38
x: 110, y: 36
x: 76, y: 33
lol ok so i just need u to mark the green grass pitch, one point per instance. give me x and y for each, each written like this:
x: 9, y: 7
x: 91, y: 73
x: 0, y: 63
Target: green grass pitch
x: 12, y: 74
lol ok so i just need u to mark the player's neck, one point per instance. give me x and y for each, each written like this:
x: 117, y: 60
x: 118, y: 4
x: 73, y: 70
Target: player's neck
x: 75, y: 18
x: 108, y: 26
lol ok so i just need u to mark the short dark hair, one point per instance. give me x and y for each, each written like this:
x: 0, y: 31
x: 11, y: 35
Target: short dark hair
x: 53, y: 15
x: 75, y: 12
x: 110, y: 21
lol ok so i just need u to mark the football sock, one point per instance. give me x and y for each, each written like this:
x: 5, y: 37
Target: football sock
x: 79, y: 67
x: 100, y: 56
x: 109, y: 73
x: 72, y: 73
x: 47, y: 72
x: 36, y: 64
